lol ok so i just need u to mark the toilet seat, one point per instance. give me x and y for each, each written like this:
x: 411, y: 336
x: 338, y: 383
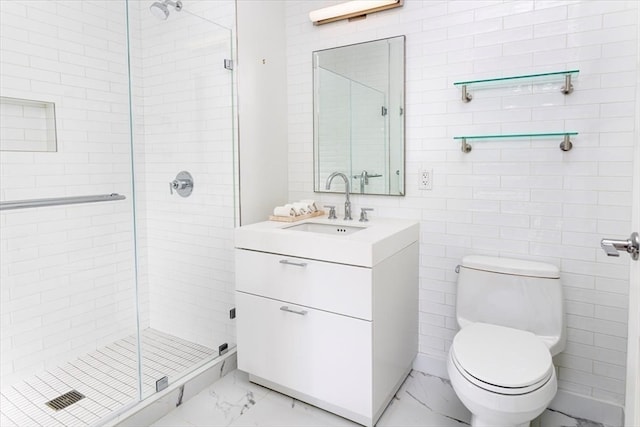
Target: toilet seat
x: 500, y: 359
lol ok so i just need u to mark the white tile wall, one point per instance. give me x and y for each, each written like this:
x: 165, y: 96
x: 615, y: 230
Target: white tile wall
x: 519, y: 198
x: 66, y: 272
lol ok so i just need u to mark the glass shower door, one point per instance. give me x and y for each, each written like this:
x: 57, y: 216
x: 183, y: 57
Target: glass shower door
x: 67, y: 273
x: 369, y: 147
x: 184, y: 162
x: 333, y: 126
x: 353, y: 129
x: 101, y: 107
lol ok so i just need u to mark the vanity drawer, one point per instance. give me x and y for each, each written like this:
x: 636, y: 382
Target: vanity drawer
x: 337, y: 288
x: 320, y: 354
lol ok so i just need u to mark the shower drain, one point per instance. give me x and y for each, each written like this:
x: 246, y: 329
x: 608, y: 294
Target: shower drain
x: 65, y: 400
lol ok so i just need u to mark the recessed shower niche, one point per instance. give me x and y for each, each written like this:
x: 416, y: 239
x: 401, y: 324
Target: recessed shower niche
x: 27, y: 125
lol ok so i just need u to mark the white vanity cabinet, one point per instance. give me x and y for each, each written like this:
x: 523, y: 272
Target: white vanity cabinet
x: 337, y: 335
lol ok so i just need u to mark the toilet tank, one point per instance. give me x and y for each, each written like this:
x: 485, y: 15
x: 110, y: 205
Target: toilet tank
x: 519, y: 294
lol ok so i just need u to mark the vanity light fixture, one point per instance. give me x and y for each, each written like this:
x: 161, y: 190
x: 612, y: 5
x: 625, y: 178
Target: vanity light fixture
x: 351, y: 10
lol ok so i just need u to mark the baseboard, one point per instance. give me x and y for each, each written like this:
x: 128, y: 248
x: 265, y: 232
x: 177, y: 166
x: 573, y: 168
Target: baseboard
x: 566, y: 402
x: 160, y: 404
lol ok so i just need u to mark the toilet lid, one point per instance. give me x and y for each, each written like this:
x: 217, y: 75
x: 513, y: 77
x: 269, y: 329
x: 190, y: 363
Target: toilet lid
x: 502, y: 357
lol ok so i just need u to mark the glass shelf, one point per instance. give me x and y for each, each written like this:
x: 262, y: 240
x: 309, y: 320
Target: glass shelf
x: 565, y: 145
x: 566, y: 89
x: 524, y: 76
x: 516, y: 135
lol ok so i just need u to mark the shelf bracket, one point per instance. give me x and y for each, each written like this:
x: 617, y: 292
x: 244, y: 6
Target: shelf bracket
x: 566, y: 144
x: 466, y: 96
x: 465, y: 147
x: 568, y: 87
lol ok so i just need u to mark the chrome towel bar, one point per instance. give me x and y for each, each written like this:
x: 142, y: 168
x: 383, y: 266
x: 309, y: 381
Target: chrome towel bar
x: 57, y: 201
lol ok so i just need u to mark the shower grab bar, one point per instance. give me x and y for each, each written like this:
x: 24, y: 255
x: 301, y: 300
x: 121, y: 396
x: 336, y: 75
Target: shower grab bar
x: 57, y: 201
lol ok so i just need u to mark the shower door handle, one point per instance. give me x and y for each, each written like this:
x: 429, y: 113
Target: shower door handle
x: 631, y: 245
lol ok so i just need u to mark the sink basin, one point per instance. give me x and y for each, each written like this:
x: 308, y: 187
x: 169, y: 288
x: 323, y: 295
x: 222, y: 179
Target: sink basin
x: 333, y: 240
x: 316, y: 227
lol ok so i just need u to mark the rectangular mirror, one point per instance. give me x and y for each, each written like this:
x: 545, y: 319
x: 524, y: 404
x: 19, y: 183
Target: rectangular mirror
x: 358, y: 116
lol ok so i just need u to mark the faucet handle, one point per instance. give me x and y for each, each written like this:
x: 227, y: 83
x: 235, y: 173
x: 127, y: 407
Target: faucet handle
x: 332, y: 211
x: 363, y: 214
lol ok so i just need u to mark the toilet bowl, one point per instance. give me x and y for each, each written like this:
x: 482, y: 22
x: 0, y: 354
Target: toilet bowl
x: 500, y: 362
x: 504, y: 376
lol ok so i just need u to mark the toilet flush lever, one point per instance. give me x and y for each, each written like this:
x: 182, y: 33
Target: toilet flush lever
x: 631, y: 245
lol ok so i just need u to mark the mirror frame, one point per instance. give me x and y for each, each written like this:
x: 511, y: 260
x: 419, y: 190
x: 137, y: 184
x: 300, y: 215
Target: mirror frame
x: 318, y: 187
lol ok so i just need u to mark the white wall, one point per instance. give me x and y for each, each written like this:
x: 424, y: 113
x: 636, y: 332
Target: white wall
x: 67, y: 279
x: 515, y: 198
x: 262, y: 109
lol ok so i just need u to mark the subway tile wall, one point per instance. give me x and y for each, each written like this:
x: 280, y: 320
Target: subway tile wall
x: 514, y: 198
x: 67, y: 273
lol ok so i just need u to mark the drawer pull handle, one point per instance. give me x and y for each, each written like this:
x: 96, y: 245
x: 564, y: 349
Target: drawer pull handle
x: 301, y: 313
x: 297, y: 264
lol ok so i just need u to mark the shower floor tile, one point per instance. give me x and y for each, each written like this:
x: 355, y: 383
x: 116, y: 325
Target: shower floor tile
x: 107, y: 377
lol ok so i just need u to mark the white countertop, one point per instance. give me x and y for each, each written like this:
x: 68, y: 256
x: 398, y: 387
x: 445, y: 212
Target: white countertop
x: 380, y: 238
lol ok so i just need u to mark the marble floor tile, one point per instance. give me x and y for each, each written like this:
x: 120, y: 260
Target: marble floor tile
x: 423, y: 400
x: 219, y: 404
x: 408, y: 412
x: 435, y: 396
x: 278, y: 410
x: 555, y: 418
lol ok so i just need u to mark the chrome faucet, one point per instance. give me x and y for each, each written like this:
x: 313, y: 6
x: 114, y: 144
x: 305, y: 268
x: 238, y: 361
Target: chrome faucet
x: 347, y: 203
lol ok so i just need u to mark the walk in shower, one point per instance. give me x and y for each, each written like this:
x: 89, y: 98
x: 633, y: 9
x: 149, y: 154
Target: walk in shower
x: 117, y: 190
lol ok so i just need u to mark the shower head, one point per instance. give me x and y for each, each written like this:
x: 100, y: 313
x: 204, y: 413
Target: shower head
x: 160, y: 9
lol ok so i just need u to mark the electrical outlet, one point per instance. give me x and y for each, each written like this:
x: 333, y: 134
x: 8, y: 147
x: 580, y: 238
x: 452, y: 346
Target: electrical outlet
x: 425, y: 179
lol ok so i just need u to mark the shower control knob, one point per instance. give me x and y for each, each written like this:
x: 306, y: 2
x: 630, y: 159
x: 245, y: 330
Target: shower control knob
x: 183, y: 184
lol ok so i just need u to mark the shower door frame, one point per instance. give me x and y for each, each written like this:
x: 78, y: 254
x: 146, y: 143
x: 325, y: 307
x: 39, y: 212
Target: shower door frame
x: 632, y: 397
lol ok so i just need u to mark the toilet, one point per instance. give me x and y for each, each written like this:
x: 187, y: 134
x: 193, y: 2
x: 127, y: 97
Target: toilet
x: 511, y: 323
